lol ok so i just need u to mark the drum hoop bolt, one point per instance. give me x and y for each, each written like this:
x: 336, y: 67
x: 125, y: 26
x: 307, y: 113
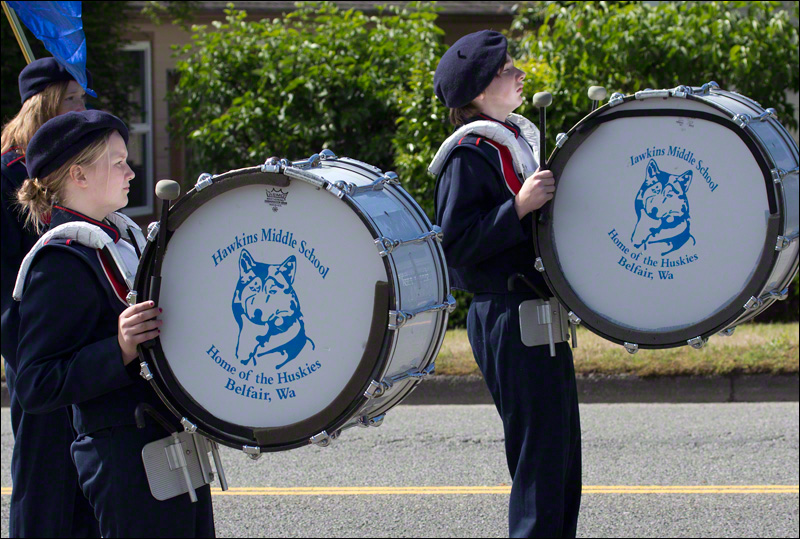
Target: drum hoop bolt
x: 727, y: 332
x: 144, y: 371
x: 697, y: 343
x: 152, y: 230
x: 204, y: 180
x: 632, y: 348
x: 188, y: 426
x: 252, y: 451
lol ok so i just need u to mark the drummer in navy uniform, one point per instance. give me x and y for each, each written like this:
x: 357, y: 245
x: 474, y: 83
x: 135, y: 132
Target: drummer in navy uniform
x: 42, y: 474
x: 485, y: 209
x: 77, y: 336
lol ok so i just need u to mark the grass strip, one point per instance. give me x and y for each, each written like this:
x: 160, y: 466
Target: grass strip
x: 753, y: 349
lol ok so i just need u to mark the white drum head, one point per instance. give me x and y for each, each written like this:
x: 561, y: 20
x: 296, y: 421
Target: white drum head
x: 660, y: 221
x: 266, y: 312
x: 693, y: 243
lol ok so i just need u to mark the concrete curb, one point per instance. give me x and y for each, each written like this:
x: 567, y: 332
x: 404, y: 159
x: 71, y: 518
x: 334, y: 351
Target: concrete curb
x: 621, y: 389
x: 616, y: 389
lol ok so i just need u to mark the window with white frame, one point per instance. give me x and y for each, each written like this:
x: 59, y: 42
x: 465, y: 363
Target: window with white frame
x: 140, y: 130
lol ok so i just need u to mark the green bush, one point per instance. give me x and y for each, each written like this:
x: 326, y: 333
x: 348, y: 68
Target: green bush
x: 320, y: 77
x: 749, y: 47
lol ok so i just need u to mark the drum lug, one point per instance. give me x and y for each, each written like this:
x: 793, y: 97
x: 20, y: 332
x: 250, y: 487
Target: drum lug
x: 753, y: 303
x: 784, y: 242
x: 768, y: 114
x: 727, y: 332
x: 376, y: 389
x: 272, y: 164
x: 327, y: 154
x: 539, y: 265
x: 632, y: 348
x: 398, y: 318
x: 411, y: 373
x: 130, y: 299
x: 681, y: 91
x: 779, y: 295
x: 323, y: 439
x: 144, y: 371
x: 742, y: 120
x: 152, y: 230
x: 311, y: 162
x: 365, y: 421
x: 389, y: 177
x: 616, y: 99
x: 778, y: 174
x: 204, y: 180
x: 335, y: 190
x: 561, y: 138
x: 387, y: 245
x: 707, y: 87
x: 697, y: 343
x: 188, y: 426
x: 252, y: 451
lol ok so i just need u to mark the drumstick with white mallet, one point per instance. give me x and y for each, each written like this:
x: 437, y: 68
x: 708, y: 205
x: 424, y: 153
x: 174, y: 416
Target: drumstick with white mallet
x: 167, y: 191
x: 542, y: 100
x: 596, y: 94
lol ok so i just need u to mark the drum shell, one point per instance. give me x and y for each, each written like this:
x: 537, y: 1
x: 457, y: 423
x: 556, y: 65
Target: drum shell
x: 419, y: 275
x: 772, y: 148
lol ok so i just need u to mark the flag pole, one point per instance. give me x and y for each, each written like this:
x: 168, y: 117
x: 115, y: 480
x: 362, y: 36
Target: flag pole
x: 19, y: 33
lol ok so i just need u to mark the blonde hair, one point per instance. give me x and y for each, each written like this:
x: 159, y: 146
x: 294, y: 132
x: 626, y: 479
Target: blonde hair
x: 35, y: 111
x: 460, y: 115
x: 36, y: 196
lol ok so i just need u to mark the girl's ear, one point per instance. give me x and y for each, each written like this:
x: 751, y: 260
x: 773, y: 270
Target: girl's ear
x: 77, y: 176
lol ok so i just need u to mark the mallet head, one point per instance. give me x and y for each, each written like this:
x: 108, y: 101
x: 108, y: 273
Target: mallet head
x: 542, y: 99
x: 597, y: 93
x: 168, y: 190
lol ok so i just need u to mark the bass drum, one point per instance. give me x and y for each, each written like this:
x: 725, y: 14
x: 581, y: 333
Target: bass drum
x: 675, y: 216
x: 299, y: 300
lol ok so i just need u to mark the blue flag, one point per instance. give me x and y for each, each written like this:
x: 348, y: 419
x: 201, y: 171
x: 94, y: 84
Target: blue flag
x: 59, y: 26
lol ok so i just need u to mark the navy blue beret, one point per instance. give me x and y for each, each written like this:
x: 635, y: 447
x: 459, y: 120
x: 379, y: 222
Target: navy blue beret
x: 468, y: 67
x: 64, y: 136
x: 40, y: 73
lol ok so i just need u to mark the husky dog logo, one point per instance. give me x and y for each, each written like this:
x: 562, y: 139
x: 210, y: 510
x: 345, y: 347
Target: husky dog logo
x: 267, y: 310
x: 662, y: 210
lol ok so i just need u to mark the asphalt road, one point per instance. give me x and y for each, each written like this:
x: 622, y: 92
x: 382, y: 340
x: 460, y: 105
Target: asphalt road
x: 650, y: 470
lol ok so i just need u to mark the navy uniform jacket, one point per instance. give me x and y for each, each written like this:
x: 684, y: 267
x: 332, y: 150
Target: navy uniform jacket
x: 68, y: 349
x: 16, y: 239
x: 484, y: 240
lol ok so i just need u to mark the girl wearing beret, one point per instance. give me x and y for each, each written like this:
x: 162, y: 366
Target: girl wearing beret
x: 488, y: 188
x: 77, y: 335
x: 46, y: 90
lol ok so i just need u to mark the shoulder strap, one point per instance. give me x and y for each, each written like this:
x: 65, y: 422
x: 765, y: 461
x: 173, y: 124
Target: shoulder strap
x: 125, y: 224
x: 86, y: 234
x: 495, y: 132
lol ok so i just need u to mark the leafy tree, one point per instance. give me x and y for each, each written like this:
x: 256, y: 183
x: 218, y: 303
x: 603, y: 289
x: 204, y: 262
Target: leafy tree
x: 749, y: 47
x: 320, y: 77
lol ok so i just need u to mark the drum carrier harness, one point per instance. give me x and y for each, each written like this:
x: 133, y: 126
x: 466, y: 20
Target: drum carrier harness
x: 542, y: 321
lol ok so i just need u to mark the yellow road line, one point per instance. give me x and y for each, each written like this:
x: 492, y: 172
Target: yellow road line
x: 599, y: 489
